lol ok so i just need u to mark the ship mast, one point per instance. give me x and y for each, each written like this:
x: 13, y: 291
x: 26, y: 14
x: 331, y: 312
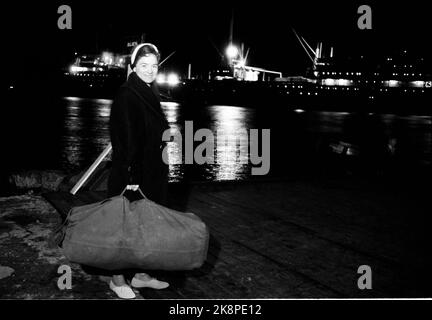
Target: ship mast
x: 306, y: 46
x: 231, y: 28
x: 313, y: 55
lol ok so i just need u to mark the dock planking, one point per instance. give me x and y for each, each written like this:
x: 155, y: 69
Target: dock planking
x: 287, y: 240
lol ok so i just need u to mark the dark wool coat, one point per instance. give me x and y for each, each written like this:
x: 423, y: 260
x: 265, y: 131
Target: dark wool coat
x: 137, y: 123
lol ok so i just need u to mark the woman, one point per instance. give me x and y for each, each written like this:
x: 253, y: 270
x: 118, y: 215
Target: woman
x: 136, y: 126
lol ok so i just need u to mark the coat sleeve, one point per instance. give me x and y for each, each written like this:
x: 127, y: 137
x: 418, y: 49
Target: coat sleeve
x: 121, y: 133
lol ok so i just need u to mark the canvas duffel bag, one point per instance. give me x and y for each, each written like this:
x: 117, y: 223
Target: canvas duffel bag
x: 118, y: 234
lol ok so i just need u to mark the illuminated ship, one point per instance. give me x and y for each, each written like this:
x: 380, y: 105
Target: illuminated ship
x: 101, y: 75
x: 402, y: 79
x: 394, y: 83
x: 94, y: 75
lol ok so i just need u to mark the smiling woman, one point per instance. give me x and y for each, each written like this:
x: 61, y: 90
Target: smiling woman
x: 145, y: 62
x: 136, y: 126
x: 147, y: 68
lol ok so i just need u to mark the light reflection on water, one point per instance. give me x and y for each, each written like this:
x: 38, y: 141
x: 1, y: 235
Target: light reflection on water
x: 86, y: 134
x: 86, y: 131
x: 231, y: 124
x: 171, y: 110
x: 226, y: 120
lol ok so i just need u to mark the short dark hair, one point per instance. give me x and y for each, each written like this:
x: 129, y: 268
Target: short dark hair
x: 143, y: 51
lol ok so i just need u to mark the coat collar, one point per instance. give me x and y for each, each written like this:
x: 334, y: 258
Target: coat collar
x: 149, y: 95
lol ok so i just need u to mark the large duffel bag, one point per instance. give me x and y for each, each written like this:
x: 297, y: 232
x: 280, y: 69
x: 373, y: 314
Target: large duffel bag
x: 118, y: 234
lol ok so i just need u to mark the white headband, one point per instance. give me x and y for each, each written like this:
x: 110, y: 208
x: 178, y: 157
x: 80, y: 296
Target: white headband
x: 134, y: 53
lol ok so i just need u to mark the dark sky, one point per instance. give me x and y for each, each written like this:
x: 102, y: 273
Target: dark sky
x: 197, y: 31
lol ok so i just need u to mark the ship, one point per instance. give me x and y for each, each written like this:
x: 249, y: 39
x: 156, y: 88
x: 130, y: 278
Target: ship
x: 100, y: 75
x: 399, y: 82
x: 94, y: 75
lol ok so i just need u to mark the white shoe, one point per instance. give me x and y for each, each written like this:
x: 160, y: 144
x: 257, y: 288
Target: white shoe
x: 123, y: 291
x: 150, y: 283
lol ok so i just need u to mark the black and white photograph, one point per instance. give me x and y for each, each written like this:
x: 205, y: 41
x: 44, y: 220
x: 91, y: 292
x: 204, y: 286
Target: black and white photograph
x: 238, y: 152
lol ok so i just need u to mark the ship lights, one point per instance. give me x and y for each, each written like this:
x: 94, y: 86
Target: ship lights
x: 232, y: 51
x: 418, y: 83
x: 107, y: 58
x: 393, y: 83
x: 342, y: 82
x: 75, y: 69
x: 240, y: 63
x: 171, y: 79
x: 329, y: 82
x: 160, y: 78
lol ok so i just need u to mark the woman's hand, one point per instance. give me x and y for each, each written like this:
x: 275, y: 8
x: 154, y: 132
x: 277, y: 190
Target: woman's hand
x: 133, y: 187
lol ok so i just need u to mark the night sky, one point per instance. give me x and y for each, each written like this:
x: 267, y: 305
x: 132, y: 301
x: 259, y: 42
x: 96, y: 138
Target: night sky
x: 199, y: 32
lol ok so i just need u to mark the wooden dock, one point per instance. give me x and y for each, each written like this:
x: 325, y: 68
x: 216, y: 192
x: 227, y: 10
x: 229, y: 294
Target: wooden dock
x: 292, y: 239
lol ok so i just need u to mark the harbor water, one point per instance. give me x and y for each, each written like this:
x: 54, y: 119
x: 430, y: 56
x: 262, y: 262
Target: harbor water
x: 68, y: 133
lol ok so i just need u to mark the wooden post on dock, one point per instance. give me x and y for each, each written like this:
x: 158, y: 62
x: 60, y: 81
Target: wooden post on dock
x: 90, y: 170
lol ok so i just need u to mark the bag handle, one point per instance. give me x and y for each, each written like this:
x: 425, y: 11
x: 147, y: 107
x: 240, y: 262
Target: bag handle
x: 133, y: 187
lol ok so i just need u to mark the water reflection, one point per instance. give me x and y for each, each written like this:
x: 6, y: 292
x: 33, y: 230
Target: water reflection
x: 326, y: 121
x: 86, y: 131
x: 306, y: 135
x: 230, y: 124
x: 174, y: 148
